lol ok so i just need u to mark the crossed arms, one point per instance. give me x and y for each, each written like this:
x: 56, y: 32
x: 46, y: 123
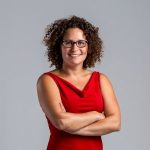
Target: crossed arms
x: 90, y: 123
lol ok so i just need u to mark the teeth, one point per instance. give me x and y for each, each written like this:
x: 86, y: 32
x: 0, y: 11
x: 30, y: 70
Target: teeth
x: 74, y: 54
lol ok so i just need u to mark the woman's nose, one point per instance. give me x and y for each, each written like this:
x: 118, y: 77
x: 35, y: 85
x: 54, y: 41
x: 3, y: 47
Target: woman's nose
x: 74, y: 47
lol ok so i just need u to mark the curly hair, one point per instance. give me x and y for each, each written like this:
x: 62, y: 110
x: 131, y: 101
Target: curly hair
x: 54, y: 36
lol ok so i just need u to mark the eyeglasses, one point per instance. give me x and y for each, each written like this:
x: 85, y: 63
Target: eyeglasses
x: 70, y: 43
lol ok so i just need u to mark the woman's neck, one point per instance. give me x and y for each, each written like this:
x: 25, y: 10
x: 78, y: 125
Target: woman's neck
x: 76, y: 71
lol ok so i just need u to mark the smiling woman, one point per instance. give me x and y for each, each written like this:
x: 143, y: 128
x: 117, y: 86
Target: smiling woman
x: 54, y: 37
x: 74, y: 47
x: 80, y: 105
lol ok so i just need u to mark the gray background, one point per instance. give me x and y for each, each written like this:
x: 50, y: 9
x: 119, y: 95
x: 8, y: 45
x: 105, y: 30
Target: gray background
x: 124, y: 28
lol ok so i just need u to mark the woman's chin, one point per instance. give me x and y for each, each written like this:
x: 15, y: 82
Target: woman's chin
x: 74, y: 63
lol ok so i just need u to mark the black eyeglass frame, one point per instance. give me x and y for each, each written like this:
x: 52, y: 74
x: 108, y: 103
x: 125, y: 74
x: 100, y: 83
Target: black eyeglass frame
x: 72, y: 43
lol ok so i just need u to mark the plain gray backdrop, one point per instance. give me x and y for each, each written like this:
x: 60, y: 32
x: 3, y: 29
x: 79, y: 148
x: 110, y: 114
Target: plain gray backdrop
x: 125, y: 30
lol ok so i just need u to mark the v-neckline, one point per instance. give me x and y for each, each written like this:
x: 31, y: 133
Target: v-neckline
x: 74, y: 86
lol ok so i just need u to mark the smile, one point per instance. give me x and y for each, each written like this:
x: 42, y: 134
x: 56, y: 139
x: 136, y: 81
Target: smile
x: 74, y: 55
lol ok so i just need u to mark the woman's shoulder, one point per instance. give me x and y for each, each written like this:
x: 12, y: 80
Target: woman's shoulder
x: 103, y: 77
x: 104, y: 80
x: 44, y: 74
x: 44, y: 78
x: 101, y: 74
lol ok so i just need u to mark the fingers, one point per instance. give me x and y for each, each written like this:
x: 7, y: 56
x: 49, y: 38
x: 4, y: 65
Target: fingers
x: 102, y: 116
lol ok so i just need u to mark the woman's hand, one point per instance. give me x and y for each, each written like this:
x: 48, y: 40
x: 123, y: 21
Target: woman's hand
x: 101, y: 115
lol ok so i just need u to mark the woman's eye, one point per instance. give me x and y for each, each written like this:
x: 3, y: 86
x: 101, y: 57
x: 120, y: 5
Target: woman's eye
x: 80, y: 42
x: 68, y: 42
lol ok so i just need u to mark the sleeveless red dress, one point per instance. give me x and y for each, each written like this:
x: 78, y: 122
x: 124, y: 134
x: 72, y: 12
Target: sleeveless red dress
x: 77, y: 101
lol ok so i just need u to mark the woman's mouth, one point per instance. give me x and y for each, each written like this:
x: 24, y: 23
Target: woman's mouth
x: 74, y: 55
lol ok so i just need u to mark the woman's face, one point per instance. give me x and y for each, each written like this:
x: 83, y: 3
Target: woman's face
x: 74, y: 53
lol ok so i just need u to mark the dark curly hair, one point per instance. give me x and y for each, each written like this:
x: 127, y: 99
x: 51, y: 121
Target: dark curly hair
x: 54, y: 36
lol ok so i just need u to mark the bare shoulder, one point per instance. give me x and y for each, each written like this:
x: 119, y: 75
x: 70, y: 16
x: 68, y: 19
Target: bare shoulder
x: 104, y: 78
x: 45, y: 81
x: 45, y: 78
x: 46, y: 87
x: 42, y: 79
x: 105, y: 83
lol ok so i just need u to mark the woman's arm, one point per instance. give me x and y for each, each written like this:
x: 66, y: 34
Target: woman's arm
x: 50, y: 101
x: 112, y: 120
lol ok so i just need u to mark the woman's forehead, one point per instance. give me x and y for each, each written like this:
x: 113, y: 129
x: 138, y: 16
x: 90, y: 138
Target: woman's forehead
x: 74, y: 33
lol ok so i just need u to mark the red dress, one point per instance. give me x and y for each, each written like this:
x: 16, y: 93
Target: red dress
x: 77, y: 101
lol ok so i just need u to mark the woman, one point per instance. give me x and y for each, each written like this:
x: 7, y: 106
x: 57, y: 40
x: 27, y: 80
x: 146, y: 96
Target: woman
x: 80, y: 105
